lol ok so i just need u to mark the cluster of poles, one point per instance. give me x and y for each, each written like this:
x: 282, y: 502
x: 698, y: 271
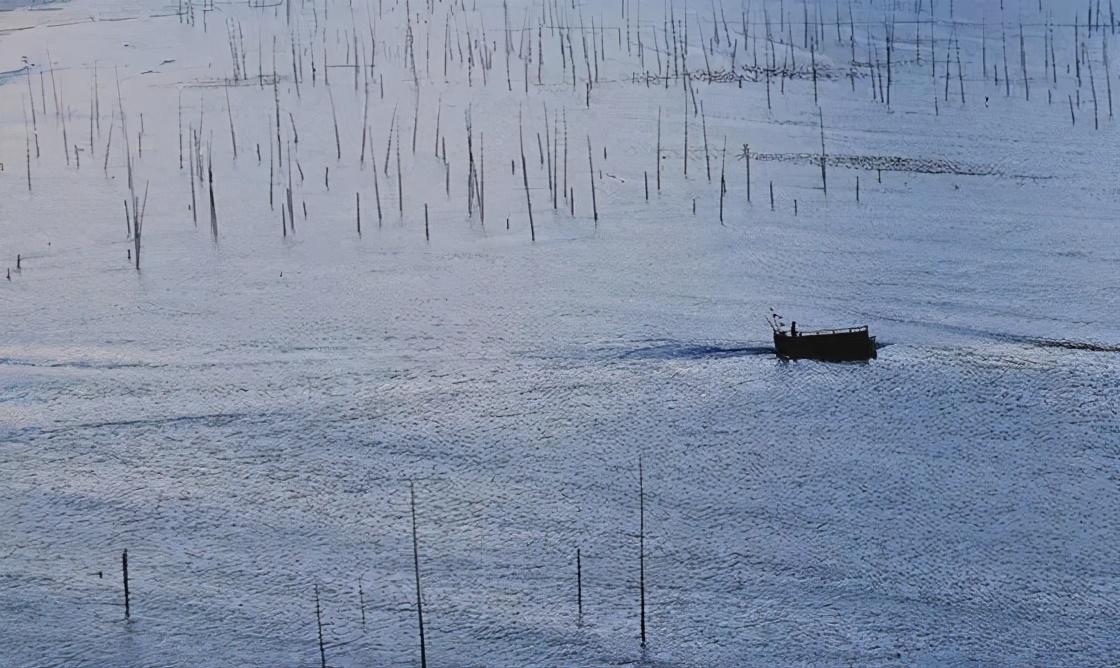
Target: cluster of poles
x: 322, y: 642
x: 433, y: 43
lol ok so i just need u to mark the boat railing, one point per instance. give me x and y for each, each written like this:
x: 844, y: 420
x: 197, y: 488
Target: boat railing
x: 827, y: 332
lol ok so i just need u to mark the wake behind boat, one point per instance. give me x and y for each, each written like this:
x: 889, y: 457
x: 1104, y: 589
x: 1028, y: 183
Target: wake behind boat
x: 852, y: 344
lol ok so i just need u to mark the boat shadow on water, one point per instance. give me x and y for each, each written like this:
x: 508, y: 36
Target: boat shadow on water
x: 684, y: 350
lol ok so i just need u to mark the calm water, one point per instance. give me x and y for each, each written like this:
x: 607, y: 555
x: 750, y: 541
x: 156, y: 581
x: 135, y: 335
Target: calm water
x: 244, y: 416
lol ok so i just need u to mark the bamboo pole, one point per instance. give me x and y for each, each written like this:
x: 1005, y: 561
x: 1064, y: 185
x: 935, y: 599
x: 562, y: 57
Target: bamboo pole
x: 124, y: 576
x: 319, y: 626
x: 579, y: 589
x: 416, y: 571
x: 642, y: 550
x: 591, y: 172
x: 525, y: 178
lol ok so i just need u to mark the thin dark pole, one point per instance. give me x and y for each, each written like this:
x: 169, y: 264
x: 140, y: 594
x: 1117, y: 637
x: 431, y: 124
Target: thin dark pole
x: 591, y: 172
x: 579, y: 587
x: 747, y: 153
x: 824, y: 156
x: 124, y: 575
x: 319, y: 625
x: 416, y: 568
x: 642, y: 548
x: 362, y: 600
x: 525, y: 177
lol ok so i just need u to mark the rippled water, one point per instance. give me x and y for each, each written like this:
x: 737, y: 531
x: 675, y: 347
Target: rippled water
x: 244, y: 417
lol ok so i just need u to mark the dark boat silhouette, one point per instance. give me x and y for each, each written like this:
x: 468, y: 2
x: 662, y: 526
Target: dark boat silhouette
x: 852, y: 344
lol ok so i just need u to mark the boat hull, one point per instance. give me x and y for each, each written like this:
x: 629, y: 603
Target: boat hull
x: 842, y: 346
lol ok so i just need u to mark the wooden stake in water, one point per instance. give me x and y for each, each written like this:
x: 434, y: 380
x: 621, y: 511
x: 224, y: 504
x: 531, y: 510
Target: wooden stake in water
x: 213, y: 208
x: 707, y: 155
x: 377, y: 197
x: 416, y: 570
x: 824, y: 156
x: 747, y: 156
x: 138, y: 223
x: 232, y: 134
x: 319, y: 624
x: 722, y: 180
x: 591, y: 169
x: 579, y: 589
x: 124, y: 575
x: 659, y: 149
x: 362, y: 600
x: 642, y: 549
x: 525, y: 178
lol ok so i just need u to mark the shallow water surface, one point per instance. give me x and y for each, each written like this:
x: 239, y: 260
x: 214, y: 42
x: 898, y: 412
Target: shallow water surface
x: 245, y: 415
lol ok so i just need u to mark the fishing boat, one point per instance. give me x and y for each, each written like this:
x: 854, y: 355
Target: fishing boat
x: 852, y: 344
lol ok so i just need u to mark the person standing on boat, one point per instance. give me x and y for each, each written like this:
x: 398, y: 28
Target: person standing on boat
x: 793, y: 328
